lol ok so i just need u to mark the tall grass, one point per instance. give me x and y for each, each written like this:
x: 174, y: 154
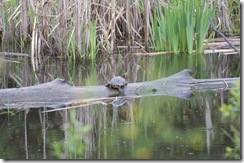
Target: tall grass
x: 182, y: 27
x: 189, y: 24
x: 203, y: 16
x: 172, y: 29
x: 234, y: 15
x: 158, y: 32
x: 65, y: 28
x: 93, y: 40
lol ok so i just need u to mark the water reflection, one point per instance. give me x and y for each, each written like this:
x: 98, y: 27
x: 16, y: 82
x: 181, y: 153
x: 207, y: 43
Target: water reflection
x: 150, y: 128
x: 144, y: 128
x: 209, y: 126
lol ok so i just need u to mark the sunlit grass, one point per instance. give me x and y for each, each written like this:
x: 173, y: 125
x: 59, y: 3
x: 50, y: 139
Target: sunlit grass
x: 183, y: 26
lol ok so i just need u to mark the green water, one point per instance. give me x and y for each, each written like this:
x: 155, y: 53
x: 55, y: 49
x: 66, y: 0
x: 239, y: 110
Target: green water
x: 158, y: 127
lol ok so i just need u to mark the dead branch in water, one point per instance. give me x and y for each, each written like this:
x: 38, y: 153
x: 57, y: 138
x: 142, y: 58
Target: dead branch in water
x: 219, y: 39
x: 223, y: 51
x: 222, y: 44
x: 12, y: 54
x: 208, y: 51
x: 226, y: 39
x: 213, y: 47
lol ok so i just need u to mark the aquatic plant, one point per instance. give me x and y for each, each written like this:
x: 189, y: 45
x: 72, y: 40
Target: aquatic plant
x: 65, y: 28
x: 228, y: 14
x: 234, y: 14
x: 204, y: 14
x: 231, y: 116
x: 93, y: 41
x: 158, y: 31
x: 188, y: 12
x: 182, y: 27
x: 73, y: 147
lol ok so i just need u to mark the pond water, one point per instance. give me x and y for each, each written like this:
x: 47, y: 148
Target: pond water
x: 157, y: 127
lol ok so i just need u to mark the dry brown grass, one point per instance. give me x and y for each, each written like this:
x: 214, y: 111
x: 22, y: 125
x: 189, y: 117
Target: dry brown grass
x: 53, y: 27
x: 62, y: 28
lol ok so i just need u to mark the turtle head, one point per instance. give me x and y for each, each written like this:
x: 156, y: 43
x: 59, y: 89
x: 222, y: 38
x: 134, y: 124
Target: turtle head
x: 108, y: 84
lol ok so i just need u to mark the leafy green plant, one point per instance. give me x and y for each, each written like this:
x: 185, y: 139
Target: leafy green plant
x: 93, y: 40
x: 158, y: 30
x: 234, y: 10
x: 190, y: 24
x: 203, y: 15
x: 231, y: 115
x: 72, y: 46
x: 182, y: 27
x: 73, y: 147
x: 172, y: 29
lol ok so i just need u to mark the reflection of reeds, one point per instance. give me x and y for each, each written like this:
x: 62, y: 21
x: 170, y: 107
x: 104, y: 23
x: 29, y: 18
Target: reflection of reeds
x: 75, y: 135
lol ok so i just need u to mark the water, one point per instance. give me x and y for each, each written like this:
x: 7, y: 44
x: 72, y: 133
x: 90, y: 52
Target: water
x: 158, y: 127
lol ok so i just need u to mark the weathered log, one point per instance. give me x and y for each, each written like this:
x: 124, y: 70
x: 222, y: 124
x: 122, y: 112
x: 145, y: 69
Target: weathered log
x: 58, y: 93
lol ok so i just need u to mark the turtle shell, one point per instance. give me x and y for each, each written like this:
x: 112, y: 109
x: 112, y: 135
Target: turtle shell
x: 117, y: 82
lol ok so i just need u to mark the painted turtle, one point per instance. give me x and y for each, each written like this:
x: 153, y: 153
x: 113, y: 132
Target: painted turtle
x: 117, y: 82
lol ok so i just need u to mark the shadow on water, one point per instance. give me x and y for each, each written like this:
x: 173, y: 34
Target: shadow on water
x: 157, y: 127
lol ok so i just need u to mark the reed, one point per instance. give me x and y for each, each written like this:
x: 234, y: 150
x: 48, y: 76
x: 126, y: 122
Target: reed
x: 78, y: 23
x: 234, y: 15
x: 203, y: 16
x: 182, y: 27
x: 24, y: 19
x: 172, y: 31
x: 128, y: 18
x: 65, y: 28
x: 146, y: 23
x: 71, y: 47
x: 158, y: 31
x: 228, y: 14
x: 93, y: 41
x: 190, y: 24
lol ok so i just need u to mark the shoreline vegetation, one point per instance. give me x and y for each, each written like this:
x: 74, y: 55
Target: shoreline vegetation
x: 83, y: 29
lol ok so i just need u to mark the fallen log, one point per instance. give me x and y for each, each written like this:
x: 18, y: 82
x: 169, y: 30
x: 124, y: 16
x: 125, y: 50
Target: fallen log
x: 58, y: 93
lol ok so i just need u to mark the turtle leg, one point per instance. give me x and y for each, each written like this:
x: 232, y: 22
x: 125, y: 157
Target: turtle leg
x: 121, y: 91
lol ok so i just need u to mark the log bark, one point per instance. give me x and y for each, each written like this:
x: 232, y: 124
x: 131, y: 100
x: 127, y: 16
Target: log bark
x: 58, y: 93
